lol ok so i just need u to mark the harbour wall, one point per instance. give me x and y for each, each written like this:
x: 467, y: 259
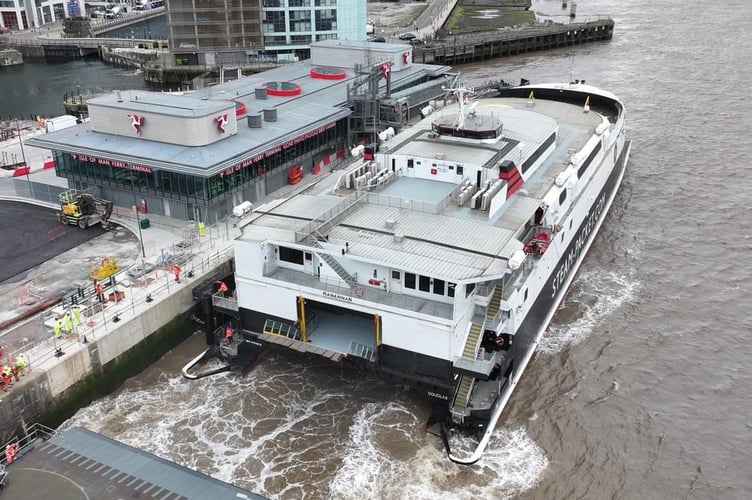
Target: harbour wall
x: 466, y: 49
x: 56, y: 389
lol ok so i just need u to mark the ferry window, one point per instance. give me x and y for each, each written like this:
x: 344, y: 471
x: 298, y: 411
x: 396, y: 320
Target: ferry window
x: 460, y: 170
x: 570, y: 223
x: 410, y: 163
x: 469, y: 289
x: 451, y: 167
x: 438, y: 287
x: 525, y: 298
x: 450, y: 289
x: 410, y: 280
x: 424, y: 283
x: 395, y: 275
x: 562, y: 197
x: 291, y: 255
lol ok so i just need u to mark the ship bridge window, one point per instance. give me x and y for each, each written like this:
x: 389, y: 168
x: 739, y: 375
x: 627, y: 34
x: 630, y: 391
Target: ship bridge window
x: 424, y: 283
x: 410, y: 281
x: 438, y: 287
x: 469, y: 289
x: 562, y: 197
x: 450, y: 289
x: 291, y: 255
x: 460, y: 170
x: 410, y: 163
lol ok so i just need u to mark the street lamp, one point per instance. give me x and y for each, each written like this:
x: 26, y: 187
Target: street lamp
x: 138, y: 223
x: 23, y: 153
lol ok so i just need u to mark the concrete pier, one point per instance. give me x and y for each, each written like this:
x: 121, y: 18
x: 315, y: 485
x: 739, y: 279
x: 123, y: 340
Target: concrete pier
x: 476, y: 48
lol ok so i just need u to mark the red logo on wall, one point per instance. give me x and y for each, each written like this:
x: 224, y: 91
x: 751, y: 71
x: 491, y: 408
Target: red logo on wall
x: 385, y: 69
x: 221, y: 122
x: 406, y: 57
x: 137, y: 122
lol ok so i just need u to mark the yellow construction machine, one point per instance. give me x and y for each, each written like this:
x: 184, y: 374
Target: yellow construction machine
x: 106, y: 268
x: 83, y: 209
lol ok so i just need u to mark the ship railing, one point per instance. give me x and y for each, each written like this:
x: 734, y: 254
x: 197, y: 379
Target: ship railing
x: 360, y: 291
x: 28, y: 440
x: 325, y: 221
x: 362, y: 351
x: 281, y: 329
x: 229, y: 303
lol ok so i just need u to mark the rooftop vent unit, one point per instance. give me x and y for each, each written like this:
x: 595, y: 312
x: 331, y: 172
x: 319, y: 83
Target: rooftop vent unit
x: 270, y: 115
x: 440, y: 156
x: 260, y: 92
x: 390, y: 223
x: 398, y: 238
x: 254, y: 120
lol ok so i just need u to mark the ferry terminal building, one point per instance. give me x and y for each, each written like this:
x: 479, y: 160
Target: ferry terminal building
x: 196, y: 156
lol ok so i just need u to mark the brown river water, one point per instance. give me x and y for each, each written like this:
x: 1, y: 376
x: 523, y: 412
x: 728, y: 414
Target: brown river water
x: 641, y: 388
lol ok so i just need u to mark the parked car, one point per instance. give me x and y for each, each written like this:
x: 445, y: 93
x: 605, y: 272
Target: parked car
x: 415, y: 42
x: 113, y: 13
x: 407, y: 36
x: 379, y: 39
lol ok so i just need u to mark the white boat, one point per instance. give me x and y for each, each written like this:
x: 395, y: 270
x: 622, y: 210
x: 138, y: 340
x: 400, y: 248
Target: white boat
x: 439, y: 260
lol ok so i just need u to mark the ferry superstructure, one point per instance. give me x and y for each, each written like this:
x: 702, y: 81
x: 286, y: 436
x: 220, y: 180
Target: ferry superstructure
x: 439, y: 260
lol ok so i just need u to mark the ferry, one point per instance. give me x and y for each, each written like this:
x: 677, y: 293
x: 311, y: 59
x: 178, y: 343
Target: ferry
x: 439, y: 258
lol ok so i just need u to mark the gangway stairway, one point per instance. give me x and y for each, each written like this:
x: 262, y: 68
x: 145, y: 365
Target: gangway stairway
x: 470, y: 359
x: 466, y: 382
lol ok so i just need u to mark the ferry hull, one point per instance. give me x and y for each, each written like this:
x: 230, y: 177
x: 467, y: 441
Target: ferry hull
x: 528, y: 335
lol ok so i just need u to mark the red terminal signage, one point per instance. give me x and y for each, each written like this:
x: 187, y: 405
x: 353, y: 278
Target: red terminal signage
x: 113, y: 163
x: 271, y: 152
x: 235, y: 168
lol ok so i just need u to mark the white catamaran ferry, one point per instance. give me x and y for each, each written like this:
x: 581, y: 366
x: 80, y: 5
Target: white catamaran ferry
x: 438, y: 260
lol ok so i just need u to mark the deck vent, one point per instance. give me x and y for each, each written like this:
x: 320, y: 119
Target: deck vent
x: 254, y: 120
x: 398, y: 238
x: 270, y: 115
x: 119, y: 97
x: 260, y: 92
x: 440, y: 156
x: 390, y: 223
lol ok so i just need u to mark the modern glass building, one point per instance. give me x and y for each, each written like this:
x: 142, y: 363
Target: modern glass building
x: 22, y: 15
x: 197, y: 156
x: 259, y: 28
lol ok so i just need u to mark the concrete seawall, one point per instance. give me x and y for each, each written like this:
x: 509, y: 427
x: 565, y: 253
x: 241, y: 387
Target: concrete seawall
x: 57, y: 387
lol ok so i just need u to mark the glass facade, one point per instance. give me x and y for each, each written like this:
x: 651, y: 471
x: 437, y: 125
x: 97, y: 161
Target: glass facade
x: 214, y: 24
x: 200, y: 190
x: 257, y: 24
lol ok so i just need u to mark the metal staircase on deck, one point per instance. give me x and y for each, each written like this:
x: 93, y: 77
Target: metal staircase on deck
x: 469, y: 359
x: 470, y: 352
x: 495, y: 304
x: 341, y: 271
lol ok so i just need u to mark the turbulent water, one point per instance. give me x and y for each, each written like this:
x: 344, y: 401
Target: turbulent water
x: 640, y: 388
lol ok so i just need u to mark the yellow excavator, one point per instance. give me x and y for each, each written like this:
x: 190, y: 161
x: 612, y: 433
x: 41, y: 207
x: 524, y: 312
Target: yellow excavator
x: 84, y: 210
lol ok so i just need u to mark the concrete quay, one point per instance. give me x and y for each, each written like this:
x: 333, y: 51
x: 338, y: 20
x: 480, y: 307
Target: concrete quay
x: 116, y: 341
x: 143, y: 319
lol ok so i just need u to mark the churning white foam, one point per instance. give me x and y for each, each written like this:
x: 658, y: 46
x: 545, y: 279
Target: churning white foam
x: 513, y: 463
x: 594, y: 296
